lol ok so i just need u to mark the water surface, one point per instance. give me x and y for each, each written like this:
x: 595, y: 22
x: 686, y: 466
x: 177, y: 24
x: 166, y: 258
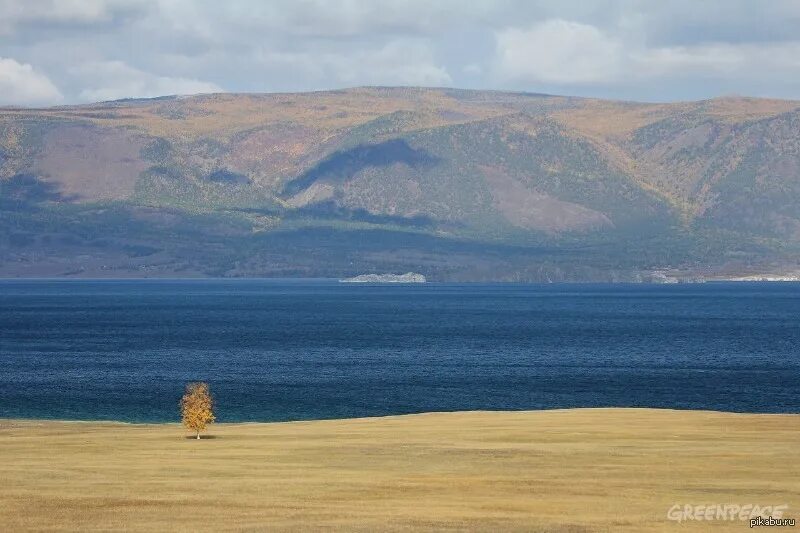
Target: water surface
x: 287, y: 350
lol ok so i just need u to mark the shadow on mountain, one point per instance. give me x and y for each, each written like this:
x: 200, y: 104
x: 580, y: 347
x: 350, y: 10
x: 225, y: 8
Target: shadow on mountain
x: 23, y: 191
x: 332, y: 210
x: 342, y: 165
x: 343, y: 243
x: 228, y: 177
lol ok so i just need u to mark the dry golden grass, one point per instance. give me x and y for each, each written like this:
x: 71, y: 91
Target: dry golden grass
x: 329, y: 112
x: 615, y: 120
x: 223, y: 115
x: 618, y: 120
x: 738, y: 108
x: 572, y: 470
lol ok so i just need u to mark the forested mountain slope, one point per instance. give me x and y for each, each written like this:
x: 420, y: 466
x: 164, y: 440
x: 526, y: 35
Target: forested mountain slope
x: 466, y: 185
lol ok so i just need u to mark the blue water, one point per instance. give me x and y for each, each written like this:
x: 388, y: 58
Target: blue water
x: 287, y: 350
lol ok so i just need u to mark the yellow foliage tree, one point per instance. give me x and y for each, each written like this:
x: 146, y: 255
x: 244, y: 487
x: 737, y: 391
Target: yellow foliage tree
x: 197, y: 407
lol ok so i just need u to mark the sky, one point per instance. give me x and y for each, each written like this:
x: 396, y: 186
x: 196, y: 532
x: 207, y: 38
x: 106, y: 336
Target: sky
x: 55, y: 52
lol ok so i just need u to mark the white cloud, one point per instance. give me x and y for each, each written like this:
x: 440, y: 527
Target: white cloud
x: 112, y: 80
x: 611, y: 48
x: 722, y: 60
x: 558, y: 51
x: 401, y: 62
x: 567, y: 53
x: 20, y: 84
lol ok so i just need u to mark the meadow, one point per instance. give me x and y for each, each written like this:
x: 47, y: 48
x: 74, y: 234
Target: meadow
x: 561, y: 470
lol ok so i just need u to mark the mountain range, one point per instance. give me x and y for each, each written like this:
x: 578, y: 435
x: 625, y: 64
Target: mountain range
x: 454, y: 184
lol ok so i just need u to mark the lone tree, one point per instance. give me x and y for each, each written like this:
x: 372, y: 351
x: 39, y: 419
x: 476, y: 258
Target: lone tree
x: 197, y: 409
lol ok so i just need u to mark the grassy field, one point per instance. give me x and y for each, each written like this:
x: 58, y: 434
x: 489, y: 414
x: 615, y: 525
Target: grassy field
x: 565, y: 471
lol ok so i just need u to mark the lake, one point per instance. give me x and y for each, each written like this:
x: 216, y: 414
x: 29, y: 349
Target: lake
x: 312, y: 349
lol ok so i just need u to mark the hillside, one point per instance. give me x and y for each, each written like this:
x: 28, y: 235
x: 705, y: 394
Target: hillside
x: 461, y: 185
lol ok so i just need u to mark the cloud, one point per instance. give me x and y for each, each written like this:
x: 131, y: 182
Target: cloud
x: 21, y: 85
x: 112, y: 80
x: 93, y: 49
x: 333, y: 18
x: 723, y: 60
x: 16, y: 15
x: 558, y: 51
x: 399, y: 62
x: 473, y: 69
x: 402, y: 62
x: 567, y: 54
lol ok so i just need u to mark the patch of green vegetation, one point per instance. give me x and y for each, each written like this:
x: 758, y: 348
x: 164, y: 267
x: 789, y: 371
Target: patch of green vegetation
x: 168, y: 187
x: 157, y: 151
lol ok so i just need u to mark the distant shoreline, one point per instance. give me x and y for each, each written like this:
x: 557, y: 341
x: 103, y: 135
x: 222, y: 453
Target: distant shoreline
x: 732, y: 280
x: 176, y: 422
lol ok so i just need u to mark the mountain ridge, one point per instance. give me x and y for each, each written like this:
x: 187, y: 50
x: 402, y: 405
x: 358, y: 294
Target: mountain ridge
x: 578, y: 188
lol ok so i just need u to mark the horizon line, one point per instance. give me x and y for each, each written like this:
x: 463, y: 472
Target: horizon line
x: 419, y: 88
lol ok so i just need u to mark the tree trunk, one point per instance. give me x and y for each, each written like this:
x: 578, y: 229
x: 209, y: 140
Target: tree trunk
x: 198, y: 434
